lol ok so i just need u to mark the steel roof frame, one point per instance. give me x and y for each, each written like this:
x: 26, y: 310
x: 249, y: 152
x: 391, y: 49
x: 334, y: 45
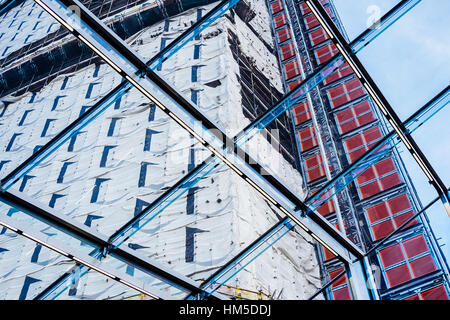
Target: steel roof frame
x: 165, y: 84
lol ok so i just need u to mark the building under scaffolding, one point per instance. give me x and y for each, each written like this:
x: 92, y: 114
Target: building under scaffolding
x: 200, y: 149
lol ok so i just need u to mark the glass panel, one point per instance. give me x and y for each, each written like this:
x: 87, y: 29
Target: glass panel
x: 205, y: 227
x: 288, y: 270
x: 28, y: 27
x: 226, y: 66
x: 116, y: 167
x: 47, y: 230
x: 419, y: 68
x: 61, y: 83
x: 95, y: 286
x: 27, y: 268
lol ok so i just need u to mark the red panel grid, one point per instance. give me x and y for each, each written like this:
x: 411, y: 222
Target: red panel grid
x: 381, y: 176
x: 345, y: 93
x: 325, y: 53
x: 407, y: 260
x: 277, y: 6
x: 292, y: 70
x: 302, y: 113
x: 308, y: 139
x: 314, y: 167
x: 280, y: 20
x: 318, y: 36
x: 354, y: 117
x: 341, y: 72
x: 357, y: 145
x: 283, y: 35
x: 387, y: 216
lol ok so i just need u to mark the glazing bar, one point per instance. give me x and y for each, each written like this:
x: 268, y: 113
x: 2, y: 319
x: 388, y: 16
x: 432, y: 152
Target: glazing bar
x: 383, y: 24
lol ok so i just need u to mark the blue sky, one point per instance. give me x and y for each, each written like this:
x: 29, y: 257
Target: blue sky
x: 410, y: 63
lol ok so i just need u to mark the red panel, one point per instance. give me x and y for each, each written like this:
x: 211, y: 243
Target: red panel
x: 391, y: 255
x: 280, y: 20
x: 291, y: 69
x: 315, y: 174
x: 362, y: 107
x: 415, y: 246
x: 372, y: 135
x: 390, y: 181
x: 283, y: 35
x: 422, y: 266
x: 399, y: 204
x: 327, y: 254
x: 312, y: 162
x: 399, y: 220
x: 307, y: 138
x: 342, y: 294
x: 345, y: 115
x: 437, y: 293
x: 398, y: 275
x: 348, y: 126
x: 354, y: 89
x: 302, y: 113
x: 385, y: 167
x: 277, y: 6
x: 311, y: 22
x: 382, y: 229
x: 305, y: 8
x: 342, y: 71
x: 377, y: 212
x: 292, y: 85
x: 287, y: 51
x: 325, y: 53
x: 369, y: 189
x: 366, y: 176
x: 354, y: 142
x: 326, y: 208
x: 318, y: 36
x: 342, y: 280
